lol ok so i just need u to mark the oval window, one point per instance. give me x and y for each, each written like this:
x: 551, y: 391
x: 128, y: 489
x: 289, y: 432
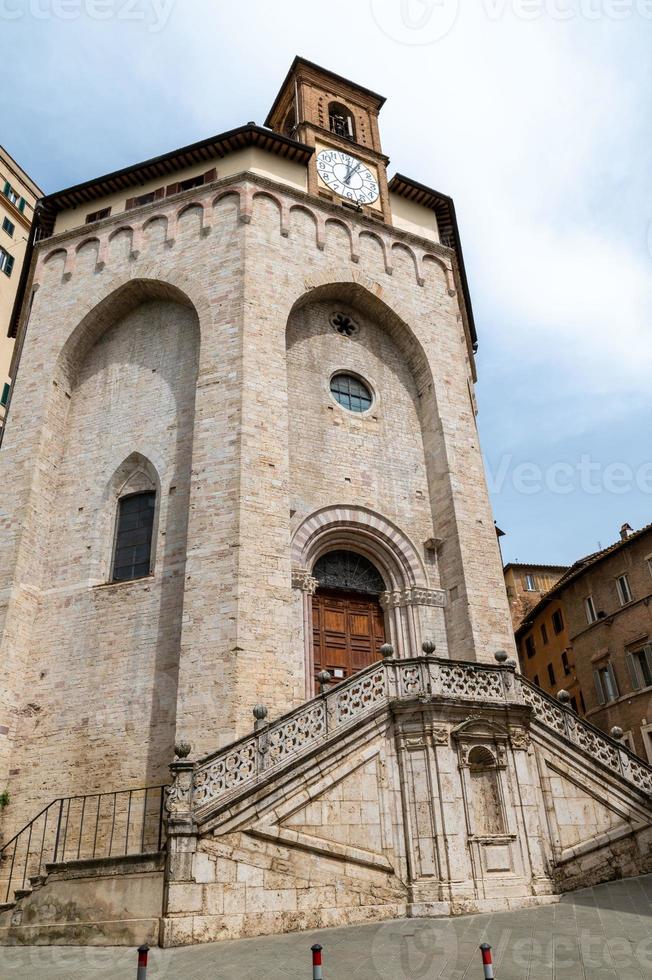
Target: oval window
x: 351, y: 393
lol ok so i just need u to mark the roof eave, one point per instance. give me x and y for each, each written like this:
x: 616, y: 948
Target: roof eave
x: 430, y: 198
x: 168, y: 162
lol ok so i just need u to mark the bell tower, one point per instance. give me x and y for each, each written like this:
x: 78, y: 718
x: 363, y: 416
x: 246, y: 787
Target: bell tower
x: 339, y: 120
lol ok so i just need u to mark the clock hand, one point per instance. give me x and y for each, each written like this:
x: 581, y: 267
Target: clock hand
x: 351, y: 173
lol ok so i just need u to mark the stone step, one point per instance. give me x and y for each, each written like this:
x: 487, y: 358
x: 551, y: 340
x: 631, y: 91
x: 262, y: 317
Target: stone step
x: 22, y: 893
x: 6, y: 906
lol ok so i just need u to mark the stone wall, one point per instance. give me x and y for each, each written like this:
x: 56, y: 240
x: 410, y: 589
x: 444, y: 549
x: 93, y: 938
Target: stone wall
x: 231, y: 261
x: 621, y: 631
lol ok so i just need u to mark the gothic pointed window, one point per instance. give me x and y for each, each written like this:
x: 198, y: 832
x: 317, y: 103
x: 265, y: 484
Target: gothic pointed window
x: 348, y: 571
x: 133, y: 540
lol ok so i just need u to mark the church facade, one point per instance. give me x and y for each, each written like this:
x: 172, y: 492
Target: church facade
x: 243, y: 475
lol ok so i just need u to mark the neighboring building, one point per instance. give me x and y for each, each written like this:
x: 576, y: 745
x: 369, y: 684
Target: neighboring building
x: 18, y: 196
x: 606, y: 644
x: 545, y: 651
x: 526, y: 584
x: 241, y: 456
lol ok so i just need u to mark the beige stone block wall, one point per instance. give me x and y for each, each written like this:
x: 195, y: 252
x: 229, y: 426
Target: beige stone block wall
x: 243, y: 255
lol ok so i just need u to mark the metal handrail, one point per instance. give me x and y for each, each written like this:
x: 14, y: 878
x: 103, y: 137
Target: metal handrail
x: 82, y: 837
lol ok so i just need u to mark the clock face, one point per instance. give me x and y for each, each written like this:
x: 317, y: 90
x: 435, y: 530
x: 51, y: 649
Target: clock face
x: 347, y: 176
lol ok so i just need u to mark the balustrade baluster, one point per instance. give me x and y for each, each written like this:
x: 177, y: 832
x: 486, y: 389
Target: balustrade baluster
x: 81, y: 827
x: 29, y: 844
x: 128, y: 820
x: 45, y: 827
x: 97, y: 821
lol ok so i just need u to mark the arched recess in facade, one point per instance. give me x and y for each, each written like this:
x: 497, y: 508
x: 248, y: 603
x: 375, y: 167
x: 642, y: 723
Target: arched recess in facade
x: 121, y: 416
x: 124, y: 295
x: 89, y: 321
x: 413, y: 602
x: 362, y: 296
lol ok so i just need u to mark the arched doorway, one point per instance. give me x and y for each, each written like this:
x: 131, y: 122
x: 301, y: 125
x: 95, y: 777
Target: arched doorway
x: 347, y: 618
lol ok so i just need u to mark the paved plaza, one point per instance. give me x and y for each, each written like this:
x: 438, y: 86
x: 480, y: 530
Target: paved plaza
x: 602, y: 933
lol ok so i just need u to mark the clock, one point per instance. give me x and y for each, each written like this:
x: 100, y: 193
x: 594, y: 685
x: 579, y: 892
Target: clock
x: 347, y: 176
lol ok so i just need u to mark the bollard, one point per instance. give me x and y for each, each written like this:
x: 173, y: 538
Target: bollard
x: 142, y: 962
x: 487, y: 961
x: 316, y: 963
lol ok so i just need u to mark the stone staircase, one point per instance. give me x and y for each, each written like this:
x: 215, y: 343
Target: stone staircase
x: 417, y: 787
x: 57, y: 866
x: 237, y: 769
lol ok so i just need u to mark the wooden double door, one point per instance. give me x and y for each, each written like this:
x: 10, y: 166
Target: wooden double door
x: 348, y: 632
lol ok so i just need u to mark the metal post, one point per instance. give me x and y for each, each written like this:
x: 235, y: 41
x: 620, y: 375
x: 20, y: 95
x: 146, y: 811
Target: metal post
x: 142, y: 962
x: 316, y: 962
x: 487, y: 961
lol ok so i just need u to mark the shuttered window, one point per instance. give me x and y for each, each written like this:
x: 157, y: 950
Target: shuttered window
x: 589, y: 608
x: 133, y: 540
x: 6, y: 262
x: 640, y: 667
x: 97, y: 215
x: 624, y: 590
x: 606, y: 686
x: 143, y: 199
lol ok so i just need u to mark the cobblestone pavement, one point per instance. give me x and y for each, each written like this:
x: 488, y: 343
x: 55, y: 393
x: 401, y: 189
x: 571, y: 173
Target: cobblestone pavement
x: 602, y: 933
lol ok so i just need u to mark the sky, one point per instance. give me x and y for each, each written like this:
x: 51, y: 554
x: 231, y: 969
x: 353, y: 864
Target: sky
x: 533, y: 114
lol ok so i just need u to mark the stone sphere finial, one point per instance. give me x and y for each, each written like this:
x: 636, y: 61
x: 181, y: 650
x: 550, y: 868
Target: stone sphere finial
x: 428, y: 647
x: 617, y: 733
x: 387, y: 651
x: 563, y: 696
x: 324, y: 679
x: 260, y: 712
x: 512, y: 662
x: 182, y: 748
x: 501, y: 656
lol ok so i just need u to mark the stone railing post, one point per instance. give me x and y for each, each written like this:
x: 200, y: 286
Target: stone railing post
x: 390, y: 664
x: 261, y: 727
x: 181, y: 825
x: 617, y: 734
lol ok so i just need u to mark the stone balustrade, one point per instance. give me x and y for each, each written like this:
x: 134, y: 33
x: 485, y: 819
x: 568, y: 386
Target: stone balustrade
x: 239, y: 767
